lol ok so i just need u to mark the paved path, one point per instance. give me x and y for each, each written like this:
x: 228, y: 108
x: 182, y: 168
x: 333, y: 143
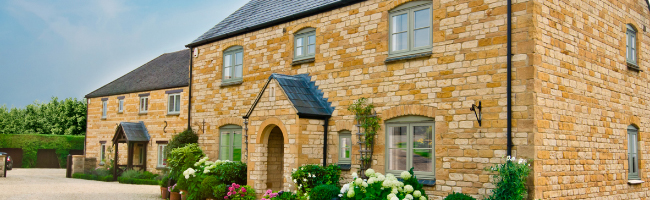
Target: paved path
x: 23, y: 184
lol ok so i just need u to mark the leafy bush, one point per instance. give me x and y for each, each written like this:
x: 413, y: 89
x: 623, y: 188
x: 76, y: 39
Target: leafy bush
x: 30, y: 144
x: 378, y: 186
x: 107, y: 178
x: 459, y: 196
x: 309, y: 176
x: 220, y: 191
x: 510, y: 179
x: 183, y: 158
x: 183, y: 138
x: 205, y: 190
x: 137, y: 181
x: 237, y: 192
x: 282, y: 195
x: 56, y: 117
x: 231, y: 172
x: 164, y: 182
x: 324, y: 192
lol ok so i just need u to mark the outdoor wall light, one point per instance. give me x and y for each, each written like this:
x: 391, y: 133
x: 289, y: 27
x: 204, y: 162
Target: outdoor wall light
x: 478, y: 114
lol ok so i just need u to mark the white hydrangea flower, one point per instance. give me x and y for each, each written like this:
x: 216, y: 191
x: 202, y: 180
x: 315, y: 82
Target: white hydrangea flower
x: 345, y: 188
x: 390, y: 196
x: 423, y: 198
x: 371, y: 180
x: 364, y: 184
x: 350, y: 193
x: 394, y: 191
x: 408, y: 188
x: 370, y: 173
x: 354, y: 175
x: 358, y: 181
x: 381, y: 178
x: 417, y: 194
x: 394, y: 198
x: 408, y: 196
x: 405, y: 175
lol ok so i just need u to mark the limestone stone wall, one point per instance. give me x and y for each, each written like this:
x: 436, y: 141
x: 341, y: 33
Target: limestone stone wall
x: 104, y: 129
x: 468, y: 65
x: 586, y: 97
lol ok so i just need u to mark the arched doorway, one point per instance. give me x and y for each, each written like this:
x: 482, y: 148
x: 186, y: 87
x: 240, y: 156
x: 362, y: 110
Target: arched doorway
x: 275, y: 160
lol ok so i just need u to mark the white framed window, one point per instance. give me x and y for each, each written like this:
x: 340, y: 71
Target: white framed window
x: 633, y: 153
x: 410, y: 144
x: 410, y: 29
x: 631, y: 45
x: 304, y: 44
x: 233, y: 63
x: 120, y: 106
x: 144, y: 104
x: 345, y: 147
x: 230, y: 143
x: 102, y: 153
x: 162, y: 155
x: 104, y: 108
x: 174, y: 103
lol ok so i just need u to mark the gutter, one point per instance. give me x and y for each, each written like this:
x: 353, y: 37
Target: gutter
x: 289, y: 18
x: 509, y: 86
x: 189, y: 100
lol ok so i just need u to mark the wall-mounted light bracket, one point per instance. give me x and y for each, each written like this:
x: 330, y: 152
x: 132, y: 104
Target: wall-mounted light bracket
x: 478, y: 114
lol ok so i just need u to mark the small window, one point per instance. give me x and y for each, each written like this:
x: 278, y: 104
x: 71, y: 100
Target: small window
x: 102, y: 153
x: 345, y: 147
x: 174, y: 104
x: 230, y: 144
x: 162, y: 155
x: 104, y: 108
x: 632, y: 153
x: 140, y: 151
x: 410, y: 29
x: 410, y: 143
x: 233, y: 63
x: 144, y: 104
x: 120, y: 107
x: 305, y: 44
x: 631, y: 45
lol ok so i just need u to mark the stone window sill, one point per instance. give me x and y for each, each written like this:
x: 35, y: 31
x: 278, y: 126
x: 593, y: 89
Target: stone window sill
x: 173, y: 114
x: 224, y: 84
x: 303, y: 61
x: 634, y: 67
x: 345, y: 167
x: 142, y: 113
x: 425, y: 182
x: 408, y: 57
x: 635, y: 182
x: 103, y: 118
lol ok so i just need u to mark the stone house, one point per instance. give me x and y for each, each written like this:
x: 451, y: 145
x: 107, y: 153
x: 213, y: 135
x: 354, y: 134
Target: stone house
x: 149, y: 102
x: 271, y: 87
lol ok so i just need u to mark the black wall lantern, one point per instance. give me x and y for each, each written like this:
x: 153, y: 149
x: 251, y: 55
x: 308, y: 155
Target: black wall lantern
x: 478, y: 114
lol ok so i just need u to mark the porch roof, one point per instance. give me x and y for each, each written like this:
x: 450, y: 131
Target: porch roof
x: 131, y: 132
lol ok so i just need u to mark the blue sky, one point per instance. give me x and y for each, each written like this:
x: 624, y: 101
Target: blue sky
x: 68, y: 48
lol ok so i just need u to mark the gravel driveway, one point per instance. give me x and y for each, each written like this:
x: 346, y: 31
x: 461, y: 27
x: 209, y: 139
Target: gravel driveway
x: 22, y: 184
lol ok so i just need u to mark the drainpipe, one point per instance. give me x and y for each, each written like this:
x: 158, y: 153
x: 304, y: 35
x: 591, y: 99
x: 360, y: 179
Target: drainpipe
x: 509, y: 87
x: 189, y: 103
x: 327, y: 120
x: 246, y: 138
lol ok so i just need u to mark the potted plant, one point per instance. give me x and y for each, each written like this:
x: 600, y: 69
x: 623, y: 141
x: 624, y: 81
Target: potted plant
x: 164, y: 183
x: 174, y: 193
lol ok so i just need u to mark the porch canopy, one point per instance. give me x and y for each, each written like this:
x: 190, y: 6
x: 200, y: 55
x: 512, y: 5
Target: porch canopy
x: 130, y: 133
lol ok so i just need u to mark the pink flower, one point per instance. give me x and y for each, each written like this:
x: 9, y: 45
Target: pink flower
x: 242, y: 195
x: 229, y: 193
x: 269, y: 191
x: 243, y: 190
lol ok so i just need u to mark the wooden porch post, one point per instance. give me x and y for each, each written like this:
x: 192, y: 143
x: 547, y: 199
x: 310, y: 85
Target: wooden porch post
x: 129, y: 163
x: 144, y: 161
x: 115, y: 159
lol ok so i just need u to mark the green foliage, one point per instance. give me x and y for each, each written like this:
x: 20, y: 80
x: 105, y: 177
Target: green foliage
x: 309, y: 176
x: 510, y: 179
x: 164, y: 182
x: 238, y: 192
x: 65, y: 117
x: 32, y: 143
x: 324, y: 192
x: 459, y: 196
x: 136, y: 181
x: 183, y: 158
x: 220, y: 191
x: 205, y: 191
x: 363, y: 112
x: 106, y: 178
x: 231, y: 172
x: 378, y: 187
x: 286, y: 196
x: 137, y: 174
x: 183, y: 138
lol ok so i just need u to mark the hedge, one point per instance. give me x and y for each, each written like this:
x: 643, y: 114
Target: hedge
x: 108, y: 178
x: 137, y: 181
x: 32, y: 143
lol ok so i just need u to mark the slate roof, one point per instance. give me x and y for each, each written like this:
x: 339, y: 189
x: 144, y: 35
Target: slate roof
x: 134, y: 131
x: 303, y: 94
x: 258, y: 14
x: 169, y: 70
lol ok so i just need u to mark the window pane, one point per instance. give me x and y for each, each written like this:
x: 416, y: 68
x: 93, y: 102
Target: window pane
x: 311, y: 49
x: 239, y: 58
x: 422, y: 18
x: 397, y: 137
x: 236, y: 153
x: 397, y: 159
x: 299, y: 42
x: 312, y: 39
x: 226, y: 73
x: 236, y: 138
x: 227, y: 60
x: 299, y: 51
x: 421, y: 37
x: 422, y: 137
x: 178, y: 103
x: 224, y: 153
x: 225, y: 138
x: 170, y: 104
x: 400, y: 23
x: 422, y: 160
x: 400, y: 41
x: 238, y: 71
x: 146, y: 104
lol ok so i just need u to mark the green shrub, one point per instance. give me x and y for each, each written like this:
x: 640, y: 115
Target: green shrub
x: 30, y: 144
x: 378, y: 186
x: 164, y: 182
x: 180, y: 159
x: 183, y: 138
x: 282, y: 195
x: 130, y: 174
x: 510, y: 179
x: 136, y: 181
x: 459, y: 196
x: 231, y: 172
x: 324, y: 192
x: 310, y: 176
x: 107, y: 178
x: 220, y: 191
x: 205, y: 191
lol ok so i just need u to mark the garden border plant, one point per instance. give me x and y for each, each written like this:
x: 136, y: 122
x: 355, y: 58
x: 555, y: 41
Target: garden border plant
x: 369, y: 122
x: 510, y: 179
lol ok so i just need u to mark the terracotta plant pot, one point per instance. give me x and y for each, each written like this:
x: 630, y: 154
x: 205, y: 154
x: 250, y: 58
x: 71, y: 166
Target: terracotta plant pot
x: 174, y: 196
x: 184, y: 195
x: 164, y: 193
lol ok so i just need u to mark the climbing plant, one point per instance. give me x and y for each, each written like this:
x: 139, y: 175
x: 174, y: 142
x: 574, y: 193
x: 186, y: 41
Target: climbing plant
x: 368, y: 121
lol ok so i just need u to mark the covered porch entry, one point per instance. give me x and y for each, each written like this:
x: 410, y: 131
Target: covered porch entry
x: 135, y: 135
